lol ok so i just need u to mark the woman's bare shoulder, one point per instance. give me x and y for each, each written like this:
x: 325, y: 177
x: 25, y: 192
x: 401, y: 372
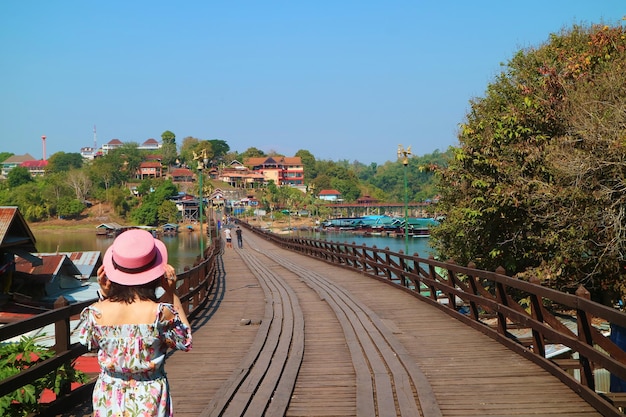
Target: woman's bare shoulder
x: 117, y: 313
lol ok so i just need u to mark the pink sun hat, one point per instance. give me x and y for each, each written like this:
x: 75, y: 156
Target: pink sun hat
x: 135, y: 258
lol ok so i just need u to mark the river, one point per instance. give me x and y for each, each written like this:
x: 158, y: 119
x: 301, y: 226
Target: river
x: 184, y: 248
x: 417, y: 245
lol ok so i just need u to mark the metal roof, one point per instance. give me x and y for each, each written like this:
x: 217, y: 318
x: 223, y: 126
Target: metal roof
x: 14, y: 232
x: 86, y: 262
x: 114, y: 226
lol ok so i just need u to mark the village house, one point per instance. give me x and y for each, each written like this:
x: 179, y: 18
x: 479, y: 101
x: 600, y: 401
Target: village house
x: 283, y: 170
x: 12, y: 162
x: 329, y: 195
x: 182, y: 175
x: 112, y: 145
x: 150, y: 144
x: 35, y: 168
x: 239, y: 176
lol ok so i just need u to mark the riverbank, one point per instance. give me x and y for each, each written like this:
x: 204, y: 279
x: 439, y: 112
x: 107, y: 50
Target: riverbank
x: 99, y: 214
x: 92, y: 218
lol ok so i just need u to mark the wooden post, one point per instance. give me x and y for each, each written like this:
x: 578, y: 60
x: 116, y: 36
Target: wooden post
x: 584, y: 335
x: 62, y: 338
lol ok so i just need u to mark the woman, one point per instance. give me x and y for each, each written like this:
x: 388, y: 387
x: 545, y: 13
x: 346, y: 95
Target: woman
x: 132, y: 330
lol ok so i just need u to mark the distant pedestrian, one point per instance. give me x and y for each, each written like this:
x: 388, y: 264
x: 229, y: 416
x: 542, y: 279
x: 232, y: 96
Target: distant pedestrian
x: 229, y: 237
x: 239, y: 238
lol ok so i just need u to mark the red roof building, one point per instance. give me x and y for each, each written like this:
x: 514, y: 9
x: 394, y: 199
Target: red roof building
x: 150, y: 144
x: 35, y: 168
x: 113, y: 144
x: 182, y: 175
x: 329, y: 195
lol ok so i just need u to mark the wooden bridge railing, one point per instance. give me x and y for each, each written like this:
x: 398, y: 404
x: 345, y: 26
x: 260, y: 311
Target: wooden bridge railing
x: 194, y: 288
x: 525, y: 316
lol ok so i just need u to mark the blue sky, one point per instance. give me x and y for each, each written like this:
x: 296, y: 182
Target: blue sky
x: 346, y: 80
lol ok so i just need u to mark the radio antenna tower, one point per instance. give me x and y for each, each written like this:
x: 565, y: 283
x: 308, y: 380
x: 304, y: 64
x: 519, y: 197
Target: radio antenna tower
x: 95, y: 141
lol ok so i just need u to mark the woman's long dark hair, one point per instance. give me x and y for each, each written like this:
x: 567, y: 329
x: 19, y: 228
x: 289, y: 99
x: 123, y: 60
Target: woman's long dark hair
x: 128, y: 294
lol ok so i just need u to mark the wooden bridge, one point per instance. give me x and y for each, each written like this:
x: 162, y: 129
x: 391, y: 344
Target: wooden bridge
x: 284, y: 334
x: 326, y: 341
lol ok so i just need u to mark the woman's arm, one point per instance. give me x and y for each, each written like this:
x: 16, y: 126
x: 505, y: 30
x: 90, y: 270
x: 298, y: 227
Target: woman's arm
x: 169, y: 285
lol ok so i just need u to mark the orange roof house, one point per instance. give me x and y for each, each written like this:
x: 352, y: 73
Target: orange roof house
x: 283, y: 170
x: 150, y: 170
x: 182, y: 175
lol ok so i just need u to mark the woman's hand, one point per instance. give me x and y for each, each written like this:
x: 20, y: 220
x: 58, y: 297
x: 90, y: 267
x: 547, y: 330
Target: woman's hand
x: 104, y: 282
x: 168, y: 282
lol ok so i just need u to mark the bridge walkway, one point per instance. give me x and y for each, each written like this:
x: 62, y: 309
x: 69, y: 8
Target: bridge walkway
x: 289, y: 335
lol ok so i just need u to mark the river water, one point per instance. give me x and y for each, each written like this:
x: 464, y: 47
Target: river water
x: 417, y: 245
x: 184, y: 248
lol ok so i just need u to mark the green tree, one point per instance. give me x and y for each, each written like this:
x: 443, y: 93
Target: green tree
x: 152, y: 209
x: 54, y: 187
x: 63, y: 162
x: 167, y: 212
x: 169, y: 151
x: 220, y: 148
x: 309, y: 164
x: 28, y: 197
x: 5, y: 155
x: 119, y: 198
x: 537, y: 183
x: 340, y: 178
x: 187, y: 149
x: 18, y: 176
x: 146, y: 214
x: 252, y: 152
x: 128, y: 158
x: 107, y: 172
x: 70, y: 208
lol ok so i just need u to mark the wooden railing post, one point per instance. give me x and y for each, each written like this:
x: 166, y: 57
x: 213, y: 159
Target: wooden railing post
x: 62, y: 338
x: 387, y: 265
x: 403, y: 267
x: 503, y: 300
x: 474, y: 311
x: 362, y: 258
x: 536, y: 311
x: 584, y: 335
x: 433, y: 278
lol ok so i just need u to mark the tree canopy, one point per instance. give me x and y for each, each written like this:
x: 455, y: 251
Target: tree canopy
x: 538, y: 182
x: 168, y: 147
x: 61, y: 161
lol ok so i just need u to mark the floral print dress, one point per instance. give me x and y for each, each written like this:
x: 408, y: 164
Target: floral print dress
x: 132, y: 380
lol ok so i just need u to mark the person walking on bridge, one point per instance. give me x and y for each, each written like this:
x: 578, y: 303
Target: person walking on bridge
x: 133, y: 329
x: 229, y: 237
x: 239, y: 238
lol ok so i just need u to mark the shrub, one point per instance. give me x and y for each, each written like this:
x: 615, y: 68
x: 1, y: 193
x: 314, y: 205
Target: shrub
x: 17, y: 357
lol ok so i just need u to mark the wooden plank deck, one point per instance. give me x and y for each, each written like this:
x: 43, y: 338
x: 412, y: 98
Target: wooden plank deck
x: 369, y: 350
